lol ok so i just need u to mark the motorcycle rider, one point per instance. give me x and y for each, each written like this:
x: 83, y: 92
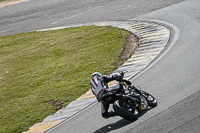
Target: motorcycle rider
x: 105, y: 95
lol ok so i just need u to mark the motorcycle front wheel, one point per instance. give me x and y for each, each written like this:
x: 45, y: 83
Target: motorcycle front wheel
x: 151, y: 100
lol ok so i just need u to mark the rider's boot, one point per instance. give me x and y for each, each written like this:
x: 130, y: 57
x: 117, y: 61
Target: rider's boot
x: 107, y: 115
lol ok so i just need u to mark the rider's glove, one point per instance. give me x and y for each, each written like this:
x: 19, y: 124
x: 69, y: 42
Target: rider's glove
x: 116, y: 76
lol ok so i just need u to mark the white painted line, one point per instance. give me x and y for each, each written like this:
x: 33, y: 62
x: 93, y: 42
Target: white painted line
x: 54, y: 28
x: 134, y: 4
x: 7, y: 29
x: 77, y: 14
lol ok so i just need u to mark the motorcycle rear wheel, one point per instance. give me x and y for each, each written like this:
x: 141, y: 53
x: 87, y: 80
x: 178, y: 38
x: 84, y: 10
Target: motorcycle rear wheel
x: 119, y: 110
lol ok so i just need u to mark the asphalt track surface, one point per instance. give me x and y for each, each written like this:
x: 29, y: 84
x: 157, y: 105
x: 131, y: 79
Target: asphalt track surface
x: 173, y: 78
x: 32, y: 15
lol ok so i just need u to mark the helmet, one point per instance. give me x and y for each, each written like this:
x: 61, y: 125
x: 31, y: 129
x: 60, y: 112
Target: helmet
x: 96, y: 73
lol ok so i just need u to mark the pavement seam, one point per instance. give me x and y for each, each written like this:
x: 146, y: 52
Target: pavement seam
x: 153, y: 38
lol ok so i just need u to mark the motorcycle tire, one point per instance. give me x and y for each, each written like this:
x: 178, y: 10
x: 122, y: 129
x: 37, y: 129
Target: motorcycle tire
x: 151, y: 100
x: 125, y: 114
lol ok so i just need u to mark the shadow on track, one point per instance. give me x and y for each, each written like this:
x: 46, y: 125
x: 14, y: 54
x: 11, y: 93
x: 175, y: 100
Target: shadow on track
x: 114, y: 126
x: 119, y: 124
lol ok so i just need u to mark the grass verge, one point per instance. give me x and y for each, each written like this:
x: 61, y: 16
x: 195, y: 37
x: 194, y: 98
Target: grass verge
x: 41, y: 72
x: 2, y: 0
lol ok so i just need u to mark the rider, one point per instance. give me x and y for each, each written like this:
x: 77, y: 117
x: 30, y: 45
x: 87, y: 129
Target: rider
x: 105, y: 95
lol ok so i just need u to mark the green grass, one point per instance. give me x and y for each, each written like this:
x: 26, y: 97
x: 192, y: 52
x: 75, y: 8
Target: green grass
x: 2, y: 0
x: 41, y: 72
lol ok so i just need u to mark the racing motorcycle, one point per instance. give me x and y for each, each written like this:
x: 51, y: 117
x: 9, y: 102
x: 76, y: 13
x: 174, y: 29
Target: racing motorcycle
x: 132, y: 109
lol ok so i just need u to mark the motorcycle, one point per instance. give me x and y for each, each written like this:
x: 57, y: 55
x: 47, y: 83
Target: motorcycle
x: 135, y: 103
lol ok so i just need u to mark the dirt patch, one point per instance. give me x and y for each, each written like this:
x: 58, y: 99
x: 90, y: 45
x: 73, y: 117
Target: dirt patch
x: 57, y: 104
x: 129, y: 49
